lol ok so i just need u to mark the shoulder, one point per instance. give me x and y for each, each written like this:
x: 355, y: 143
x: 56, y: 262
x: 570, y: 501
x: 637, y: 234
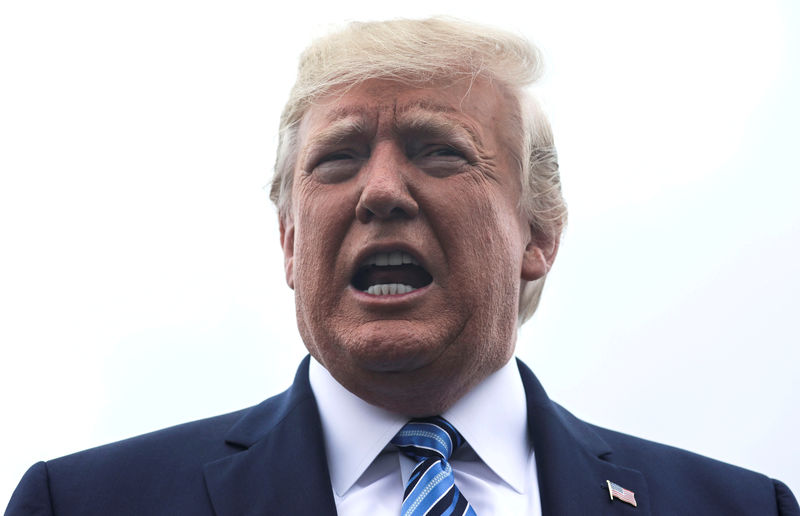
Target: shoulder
x: 697, y: 483
x: 668, y: 460
x: 196, y: 441
x: 667, y: 479
x: 131, y: 475
x: 153, y: 473
x: 161, y: 472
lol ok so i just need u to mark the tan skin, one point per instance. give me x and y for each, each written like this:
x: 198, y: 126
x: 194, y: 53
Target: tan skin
x: 385, y: 167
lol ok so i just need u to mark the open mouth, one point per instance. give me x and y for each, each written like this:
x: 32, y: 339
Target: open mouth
x: 392, y: 273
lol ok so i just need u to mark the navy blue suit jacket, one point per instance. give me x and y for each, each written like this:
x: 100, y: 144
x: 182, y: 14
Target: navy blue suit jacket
x: 270, y: 460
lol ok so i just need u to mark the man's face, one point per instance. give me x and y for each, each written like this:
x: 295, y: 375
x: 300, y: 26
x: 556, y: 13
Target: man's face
x: 405, y: 244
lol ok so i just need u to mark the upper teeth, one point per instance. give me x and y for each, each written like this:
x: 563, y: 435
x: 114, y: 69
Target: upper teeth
x: 393, y: 258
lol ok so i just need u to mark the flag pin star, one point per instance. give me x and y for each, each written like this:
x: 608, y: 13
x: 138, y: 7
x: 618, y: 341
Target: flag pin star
x: 620, y: 493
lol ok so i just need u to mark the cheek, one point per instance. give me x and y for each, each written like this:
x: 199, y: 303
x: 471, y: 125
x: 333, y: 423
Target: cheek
x: 497, y: 249
x: 322, y: 216
x: 486, y: 229
x: 322, y: 219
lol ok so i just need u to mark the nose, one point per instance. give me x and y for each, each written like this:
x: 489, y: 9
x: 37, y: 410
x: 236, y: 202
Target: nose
x: 385, y: 194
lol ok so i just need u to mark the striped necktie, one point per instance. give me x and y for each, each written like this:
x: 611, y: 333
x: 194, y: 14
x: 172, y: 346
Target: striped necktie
x: 431, y: 489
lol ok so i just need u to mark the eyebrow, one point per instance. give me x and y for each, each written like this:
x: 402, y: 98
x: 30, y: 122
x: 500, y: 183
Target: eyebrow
x: 421, y: 116
x: 339, y: 128
x: 423, y: 119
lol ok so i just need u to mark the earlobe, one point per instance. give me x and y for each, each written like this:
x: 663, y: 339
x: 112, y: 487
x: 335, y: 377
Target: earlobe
x: 540, y: 253
x: 287, y: 244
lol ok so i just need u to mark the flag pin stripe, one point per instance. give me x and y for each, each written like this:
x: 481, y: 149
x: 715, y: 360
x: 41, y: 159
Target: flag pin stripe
x: 620, y: 493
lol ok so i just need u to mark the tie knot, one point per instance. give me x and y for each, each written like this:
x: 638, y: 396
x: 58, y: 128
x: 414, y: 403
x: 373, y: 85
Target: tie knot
x: 428, y: 437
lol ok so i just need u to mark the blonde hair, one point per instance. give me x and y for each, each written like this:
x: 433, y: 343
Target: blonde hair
x: 421, y: 52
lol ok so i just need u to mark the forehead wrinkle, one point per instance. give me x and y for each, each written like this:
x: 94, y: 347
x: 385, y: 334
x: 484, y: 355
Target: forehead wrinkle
x: 351, y: 111
x: 425, y: 105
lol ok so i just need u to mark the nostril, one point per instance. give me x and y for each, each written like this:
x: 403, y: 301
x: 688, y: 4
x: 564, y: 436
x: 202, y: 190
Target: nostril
x: 386, y: 199
x: 365, y: 213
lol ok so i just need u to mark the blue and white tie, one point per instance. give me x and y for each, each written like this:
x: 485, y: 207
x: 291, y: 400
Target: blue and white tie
x: 431, y: 489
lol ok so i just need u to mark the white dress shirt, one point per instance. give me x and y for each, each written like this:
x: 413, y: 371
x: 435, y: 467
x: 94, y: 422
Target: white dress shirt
x: 496, y: 471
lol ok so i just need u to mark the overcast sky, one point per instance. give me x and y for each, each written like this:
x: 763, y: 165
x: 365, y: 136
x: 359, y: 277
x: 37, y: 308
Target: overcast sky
x: 141, y: 279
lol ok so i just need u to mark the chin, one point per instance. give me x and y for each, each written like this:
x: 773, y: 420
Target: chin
x: 418, y: 393
x: 393, y: 347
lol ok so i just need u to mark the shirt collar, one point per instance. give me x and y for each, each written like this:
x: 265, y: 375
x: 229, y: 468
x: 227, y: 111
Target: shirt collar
x: 492, y: 417
x: 355, y: 432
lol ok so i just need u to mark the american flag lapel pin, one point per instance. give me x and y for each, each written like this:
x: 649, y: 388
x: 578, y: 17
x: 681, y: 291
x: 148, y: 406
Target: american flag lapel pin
x: 620, y: 493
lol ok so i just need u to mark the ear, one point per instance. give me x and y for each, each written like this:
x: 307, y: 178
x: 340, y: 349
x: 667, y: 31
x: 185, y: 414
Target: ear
x: 540, y: 253
x: 287, y: 244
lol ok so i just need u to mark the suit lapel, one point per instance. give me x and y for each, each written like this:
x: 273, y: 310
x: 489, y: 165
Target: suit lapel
x: 573, y: 462
x: 278, y: 459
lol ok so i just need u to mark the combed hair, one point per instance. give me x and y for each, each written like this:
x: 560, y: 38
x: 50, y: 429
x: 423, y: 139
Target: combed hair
x: 438, y: 51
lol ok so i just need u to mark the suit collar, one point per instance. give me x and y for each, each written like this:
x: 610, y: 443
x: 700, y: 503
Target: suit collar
x: 573, y: 462
x: 278, y: 459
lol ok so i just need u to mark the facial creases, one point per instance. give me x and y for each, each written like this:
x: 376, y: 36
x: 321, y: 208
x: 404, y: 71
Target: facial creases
x: 407, y: 242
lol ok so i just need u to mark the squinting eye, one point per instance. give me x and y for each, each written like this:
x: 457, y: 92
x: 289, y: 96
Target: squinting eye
x: 336, y: 157
x: 441, y: 161
x: 445, y: 151
x: 336, y: 167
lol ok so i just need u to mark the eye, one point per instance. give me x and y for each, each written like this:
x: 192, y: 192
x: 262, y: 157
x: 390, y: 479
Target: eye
x: 336, y: 156
x: 445, y: 152
x: 441, y: 160
x: 337, y: 166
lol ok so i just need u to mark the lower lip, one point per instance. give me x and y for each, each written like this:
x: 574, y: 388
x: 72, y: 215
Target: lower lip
x: 389, y: 300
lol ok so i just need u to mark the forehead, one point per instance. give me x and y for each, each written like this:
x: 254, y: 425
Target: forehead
x: 380, y: 105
